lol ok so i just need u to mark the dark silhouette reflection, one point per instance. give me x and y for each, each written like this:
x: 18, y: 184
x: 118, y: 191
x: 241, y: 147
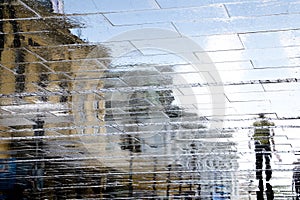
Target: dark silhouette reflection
x: 260, y: 192
x: 269, y: 191
x: 38, y: 167
x: 296, y: 179
x: 263, y: 137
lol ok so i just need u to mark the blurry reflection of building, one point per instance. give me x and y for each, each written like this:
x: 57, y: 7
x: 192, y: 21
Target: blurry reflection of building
x: 152, y: 148
x: 56, y: 6
x: 39, y: 58
x: 172, y: 153
x: 214, y: 163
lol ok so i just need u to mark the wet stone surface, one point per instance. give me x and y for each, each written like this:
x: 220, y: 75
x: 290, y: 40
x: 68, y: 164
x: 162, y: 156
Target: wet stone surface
x: 156, y: 99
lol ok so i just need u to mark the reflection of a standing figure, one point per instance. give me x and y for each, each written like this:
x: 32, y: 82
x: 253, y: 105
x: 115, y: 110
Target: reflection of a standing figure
x: 269, y: 191
x: 296, y: 179
x: 262, y: 137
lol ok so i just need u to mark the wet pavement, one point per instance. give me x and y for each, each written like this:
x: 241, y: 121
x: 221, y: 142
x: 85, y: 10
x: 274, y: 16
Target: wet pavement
x: 149, y: 99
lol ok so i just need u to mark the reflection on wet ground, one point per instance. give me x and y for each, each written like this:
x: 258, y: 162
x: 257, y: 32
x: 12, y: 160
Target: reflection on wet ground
x: 127, y: 119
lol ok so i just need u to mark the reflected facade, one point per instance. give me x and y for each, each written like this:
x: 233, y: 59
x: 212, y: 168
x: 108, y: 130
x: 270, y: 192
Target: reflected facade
x: 125, y: 144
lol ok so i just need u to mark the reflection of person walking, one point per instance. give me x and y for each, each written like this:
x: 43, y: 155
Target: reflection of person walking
x: 296, y: 179
x: 262, y: 136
